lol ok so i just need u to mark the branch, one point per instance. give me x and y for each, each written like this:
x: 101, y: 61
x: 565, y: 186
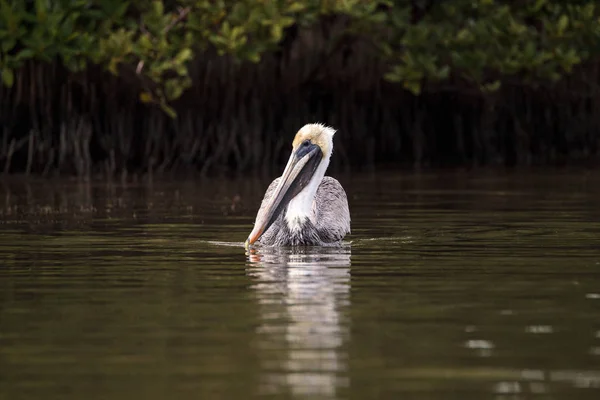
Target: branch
x: 183, y: 12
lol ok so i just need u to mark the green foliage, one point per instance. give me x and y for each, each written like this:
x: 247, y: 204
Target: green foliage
x: 483, y: 41
x: 475, y: 42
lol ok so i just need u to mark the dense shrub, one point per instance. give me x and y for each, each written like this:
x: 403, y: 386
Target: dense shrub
x: 478, y: 42
x: 59, y: 110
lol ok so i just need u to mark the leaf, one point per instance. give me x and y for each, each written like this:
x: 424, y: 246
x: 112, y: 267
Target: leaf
x: 563, y: 23
x: 588, y: 11
x: 24, y: 54
x: 286, y: 21
x: 144, y: 42
x: 8, y: 44
x: 296, y: 7
x: 173, y: 89
x: 183, y: 56
x: 443, y: 72
x: 12, y: 18
x: 395, y: 75
x: 168, y: 110
x: 276, y: 32
x: 412, y: 86
x: 121, y: 9
x: 538, y: 5
x: 41, y: 10
x: 113, y: 65
x: 253, y: 56
x: 146, y: 97
x: 463, y: 35
x: 158, y: 7
x: 490, y: 86
x: 8, y: 76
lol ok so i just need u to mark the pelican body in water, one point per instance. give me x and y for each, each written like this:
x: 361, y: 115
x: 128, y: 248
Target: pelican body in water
x: 303, y: 207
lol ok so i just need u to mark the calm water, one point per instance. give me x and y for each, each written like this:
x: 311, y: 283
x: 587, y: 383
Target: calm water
x: 453, y: 286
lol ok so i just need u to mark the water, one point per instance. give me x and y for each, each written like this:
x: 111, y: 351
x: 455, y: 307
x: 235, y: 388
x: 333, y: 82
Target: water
x: 454, y: 285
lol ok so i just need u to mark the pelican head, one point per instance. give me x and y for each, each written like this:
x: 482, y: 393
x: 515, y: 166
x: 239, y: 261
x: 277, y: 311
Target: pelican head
x: 296, y: 189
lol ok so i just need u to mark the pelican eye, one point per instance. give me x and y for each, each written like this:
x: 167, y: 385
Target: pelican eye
x: 304, y: 148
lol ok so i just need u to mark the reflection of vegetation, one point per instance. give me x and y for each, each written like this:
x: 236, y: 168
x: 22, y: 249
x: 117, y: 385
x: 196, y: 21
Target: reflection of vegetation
x: 163, y: 50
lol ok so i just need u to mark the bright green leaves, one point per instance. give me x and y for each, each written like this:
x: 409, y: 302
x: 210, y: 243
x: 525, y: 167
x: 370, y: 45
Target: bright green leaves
x: 482, y: 42
x: 45, y: 30
x: 474, y: 42
x: 8, y: 76
x: 249, y: 28
x: 230, y: 39
x: 562, y: 25
x: 156, y: 48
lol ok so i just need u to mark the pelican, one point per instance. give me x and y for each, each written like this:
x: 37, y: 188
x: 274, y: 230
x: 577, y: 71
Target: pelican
x: 303, y: 207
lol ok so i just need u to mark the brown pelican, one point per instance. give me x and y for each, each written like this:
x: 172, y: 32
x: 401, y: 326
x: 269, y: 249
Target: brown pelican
x: 304, y: 207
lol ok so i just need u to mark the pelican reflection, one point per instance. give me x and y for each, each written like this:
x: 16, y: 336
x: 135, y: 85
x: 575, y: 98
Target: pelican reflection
x: 303, y: 296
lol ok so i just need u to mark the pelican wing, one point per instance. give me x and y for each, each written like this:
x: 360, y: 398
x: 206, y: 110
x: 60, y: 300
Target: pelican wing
x: 333, y: 215
x: 268, y: 194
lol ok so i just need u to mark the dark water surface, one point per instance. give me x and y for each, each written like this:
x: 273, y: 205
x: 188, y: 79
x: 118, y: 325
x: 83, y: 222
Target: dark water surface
x: 452, y: 286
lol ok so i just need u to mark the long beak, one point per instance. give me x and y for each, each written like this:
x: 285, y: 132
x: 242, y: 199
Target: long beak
x: 298, y: 172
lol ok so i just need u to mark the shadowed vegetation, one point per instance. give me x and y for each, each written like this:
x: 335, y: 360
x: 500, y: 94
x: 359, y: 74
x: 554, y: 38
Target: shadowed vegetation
x: 143, y: 87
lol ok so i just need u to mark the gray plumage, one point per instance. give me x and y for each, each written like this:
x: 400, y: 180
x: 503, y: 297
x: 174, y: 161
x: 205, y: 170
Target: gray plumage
x: 332, y: 216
